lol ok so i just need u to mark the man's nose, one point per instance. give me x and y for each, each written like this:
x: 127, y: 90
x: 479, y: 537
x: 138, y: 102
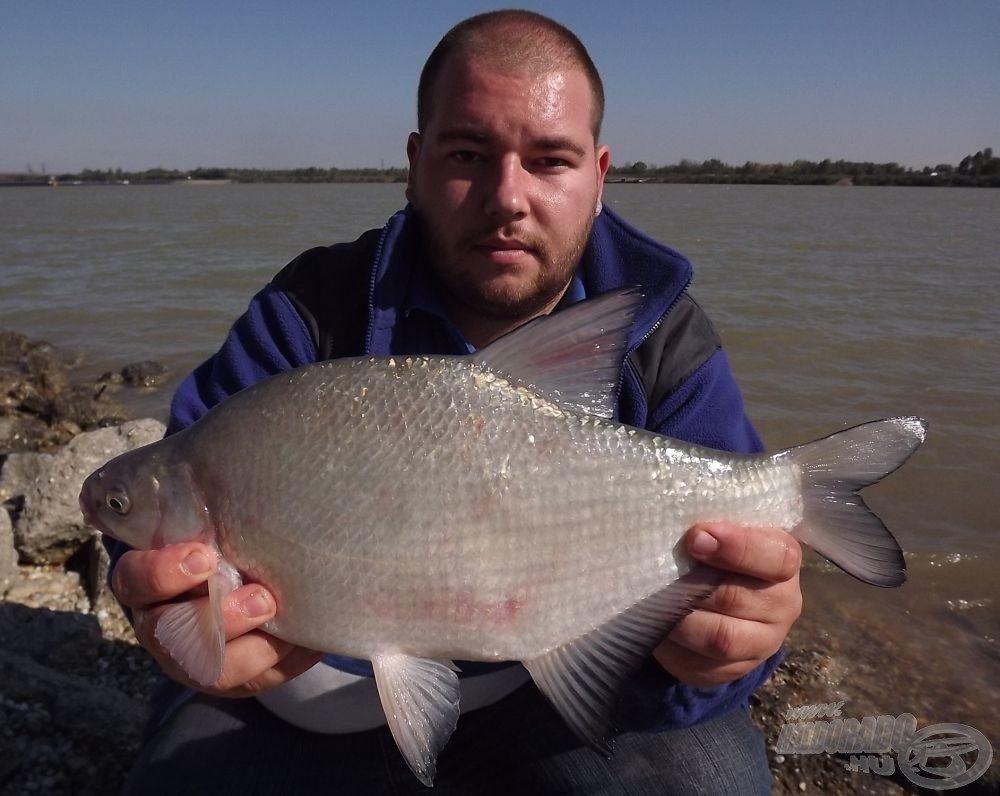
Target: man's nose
x: 507, y: 197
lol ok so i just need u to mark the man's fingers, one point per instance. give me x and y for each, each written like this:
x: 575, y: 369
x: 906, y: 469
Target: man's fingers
x: 693, y: 669
x: 743, y: 597
x: 146, y: 577
x: 249, y: 656
x: 256, y: 661
x: 722, y: 638
x: 295, y: 663
x: 770, y: 554
x: 148, y: 581
x: 745, y: 620
x: 245, y: 609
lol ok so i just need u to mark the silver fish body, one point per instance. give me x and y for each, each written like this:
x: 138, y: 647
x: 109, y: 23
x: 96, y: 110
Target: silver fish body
x: 418, y: 510
x: 431, y: 507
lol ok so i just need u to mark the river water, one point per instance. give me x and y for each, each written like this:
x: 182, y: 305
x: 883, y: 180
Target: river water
x: 837, y: 306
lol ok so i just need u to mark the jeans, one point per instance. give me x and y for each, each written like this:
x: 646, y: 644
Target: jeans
x: 517, y: 746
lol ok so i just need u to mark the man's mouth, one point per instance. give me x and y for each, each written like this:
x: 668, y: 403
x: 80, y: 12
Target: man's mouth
x: 504, y: 250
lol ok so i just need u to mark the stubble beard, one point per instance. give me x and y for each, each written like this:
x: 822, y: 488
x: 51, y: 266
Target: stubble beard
x: 504, y: 302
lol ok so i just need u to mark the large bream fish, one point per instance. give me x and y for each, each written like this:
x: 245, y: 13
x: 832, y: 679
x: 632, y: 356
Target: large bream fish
x: 417, y: 510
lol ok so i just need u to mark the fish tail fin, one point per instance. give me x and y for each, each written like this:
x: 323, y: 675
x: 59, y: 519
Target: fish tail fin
x: 835, y: 520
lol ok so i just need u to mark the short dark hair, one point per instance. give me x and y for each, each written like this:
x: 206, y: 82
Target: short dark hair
x: 512, y: 39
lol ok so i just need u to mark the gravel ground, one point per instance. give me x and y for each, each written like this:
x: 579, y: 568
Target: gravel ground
x: 74, y: 684
x: 73, y: 688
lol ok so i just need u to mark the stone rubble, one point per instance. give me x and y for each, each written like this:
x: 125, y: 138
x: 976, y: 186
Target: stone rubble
x: 48, y: 527
x: 74, y: 684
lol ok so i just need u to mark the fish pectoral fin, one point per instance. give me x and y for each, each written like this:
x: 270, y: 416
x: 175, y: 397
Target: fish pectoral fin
x: 420, y: 699
x: 584, y: 678
x: 192, y: 631
x: 574, y: 357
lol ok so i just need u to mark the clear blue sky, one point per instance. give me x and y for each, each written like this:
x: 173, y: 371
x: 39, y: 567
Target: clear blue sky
x: 183, y: 84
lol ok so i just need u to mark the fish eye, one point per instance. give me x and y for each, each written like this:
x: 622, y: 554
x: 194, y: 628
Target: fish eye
x: 118, y: 502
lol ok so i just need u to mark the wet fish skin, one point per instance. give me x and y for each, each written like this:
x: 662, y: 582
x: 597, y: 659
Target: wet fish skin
x: 422, y: 509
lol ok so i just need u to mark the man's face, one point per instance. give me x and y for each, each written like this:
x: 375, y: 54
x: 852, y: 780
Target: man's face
x: 506, y: 179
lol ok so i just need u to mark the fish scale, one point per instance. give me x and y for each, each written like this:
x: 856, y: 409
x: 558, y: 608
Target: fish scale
x: 416, y: 510
x: 588, y: 574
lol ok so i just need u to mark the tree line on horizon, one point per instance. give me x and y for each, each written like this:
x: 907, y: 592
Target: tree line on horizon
x: 981, y: 169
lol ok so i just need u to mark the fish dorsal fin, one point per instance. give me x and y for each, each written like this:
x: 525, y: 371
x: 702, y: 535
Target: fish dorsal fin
x: 574, y: 356
x: 420, y: 700
x: 583, y: 679
x: 192, y: 631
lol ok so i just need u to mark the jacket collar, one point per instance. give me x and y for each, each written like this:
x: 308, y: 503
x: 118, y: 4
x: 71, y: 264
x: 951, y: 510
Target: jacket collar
x: 617, y: 255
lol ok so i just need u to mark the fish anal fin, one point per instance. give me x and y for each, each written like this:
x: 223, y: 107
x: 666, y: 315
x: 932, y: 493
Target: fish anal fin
x: 583, y: 679
x: 420, y: 700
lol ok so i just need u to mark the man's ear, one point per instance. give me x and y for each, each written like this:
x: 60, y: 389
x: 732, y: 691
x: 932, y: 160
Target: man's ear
x: 603, y: 162
x: 413, y: 144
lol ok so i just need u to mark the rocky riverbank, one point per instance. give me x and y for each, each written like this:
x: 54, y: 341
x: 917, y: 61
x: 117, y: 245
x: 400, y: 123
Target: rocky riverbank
x: 73, y: 682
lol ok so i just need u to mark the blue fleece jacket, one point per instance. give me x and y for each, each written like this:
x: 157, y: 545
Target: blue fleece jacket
x: 403, y: 317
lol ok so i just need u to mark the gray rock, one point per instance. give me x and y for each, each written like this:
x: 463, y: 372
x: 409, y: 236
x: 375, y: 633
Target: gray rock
x: 48, y: 527
x: 41, y: 408
x: 13, y: 347
x: 8, y: 554
x: 147, y: 373
x: 49, y: 637
x: 72, y: 703
x: 86, y: 406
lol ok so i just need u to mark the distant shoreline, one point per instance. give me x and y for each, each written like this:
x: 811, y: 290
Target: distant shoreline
x: 980, y: 170
x: 693, y: 179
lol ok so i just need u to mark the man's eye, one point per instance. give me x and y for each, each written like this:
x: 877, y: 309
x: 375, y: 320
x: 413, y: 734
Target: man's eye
x: 466, y: 156
x: 551, y: 163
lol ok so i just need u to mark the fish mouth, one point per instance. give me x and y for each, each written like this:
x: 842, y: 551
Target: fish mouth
x: 85, y: 506
x: 89, y: 501
x: 89, y: 517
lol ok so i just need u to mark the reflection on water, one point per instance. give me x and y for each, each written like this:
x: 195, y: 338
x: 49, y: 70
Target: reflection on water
x: 837, y: 306
x: 918, y: 649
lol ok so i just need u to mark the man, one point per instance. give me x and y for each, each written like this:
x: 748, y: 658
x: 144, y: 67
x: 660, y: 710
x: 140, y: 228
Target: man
x: 505, y: 223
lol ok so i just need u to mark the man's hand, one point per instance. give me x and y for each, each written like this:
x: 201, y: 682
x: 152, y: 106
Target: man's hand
x: 747, y: 618
x: 145, y: 580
